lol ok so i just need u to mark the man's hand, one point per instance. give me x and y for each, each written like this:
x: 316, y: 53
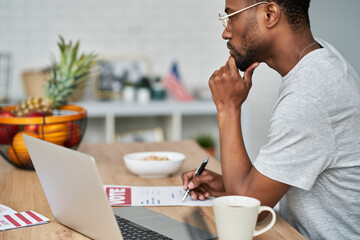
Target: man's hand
x: 203, y: 186
x: 229, y: 90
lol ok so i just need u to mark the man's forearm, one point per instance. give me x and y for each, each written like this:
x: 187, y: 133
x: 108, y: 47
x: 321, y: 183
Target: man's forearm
x: 235, y: 162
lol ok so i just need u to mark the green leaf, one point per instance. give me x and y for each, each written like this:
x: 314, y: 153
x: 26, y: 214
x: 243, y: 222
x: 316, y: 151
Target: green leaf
x: 68, y: 72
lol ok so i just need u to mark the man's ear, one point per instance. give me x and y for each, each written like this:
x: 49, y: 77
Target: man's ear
x: 272, y: 14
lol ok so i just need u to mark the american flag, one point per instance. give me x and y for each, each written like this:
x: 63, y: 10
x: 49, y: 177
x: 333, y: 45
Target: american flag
x: 173, y: 83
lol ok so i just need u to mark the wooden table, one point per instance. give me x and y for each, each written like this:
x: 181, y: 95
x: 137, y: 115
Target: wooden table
x: 21, y: 190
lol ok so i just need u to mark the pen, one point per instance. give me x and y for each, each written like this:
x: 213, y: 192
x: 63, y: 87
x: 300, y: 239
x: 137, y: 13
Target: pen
x: 198, y: 172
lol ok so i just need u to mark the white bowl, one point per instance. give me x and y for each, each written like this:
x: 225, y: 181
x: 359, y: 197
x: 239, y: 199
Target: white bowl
x: 154, y: 168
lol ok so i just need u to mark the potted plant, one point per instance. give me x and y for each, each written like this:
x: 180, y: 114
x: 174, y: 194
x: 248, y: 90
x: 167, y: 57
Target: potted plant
x: 50, y: 118
x: 207, y: 142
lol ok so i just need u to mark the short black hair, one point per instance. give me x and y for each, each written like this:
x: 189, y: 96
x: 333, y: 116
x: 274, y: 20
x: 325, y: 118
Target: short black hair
x: 296, y: 12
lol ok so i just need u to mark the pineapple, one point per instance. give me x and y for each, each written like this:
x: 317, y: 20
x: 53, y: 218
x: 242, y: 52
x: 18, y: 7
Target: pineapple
x: 67, y: 74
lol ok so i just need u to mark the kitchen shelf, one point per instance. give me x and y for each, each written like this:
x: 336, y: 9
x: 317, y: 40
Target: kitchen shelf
x: 173, y: 110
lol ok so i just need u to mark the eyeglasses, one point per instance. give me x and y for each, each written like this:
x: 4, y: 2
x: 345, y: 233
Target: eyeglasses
x: 225, y: 18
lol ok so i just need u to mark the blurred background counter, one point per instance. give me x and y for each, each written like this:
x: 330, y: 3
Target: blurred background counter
x: 179, y: 119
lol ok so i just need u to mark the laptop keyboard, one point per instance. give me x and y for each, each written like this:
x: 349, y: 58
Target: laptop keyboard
x: 131, y: 230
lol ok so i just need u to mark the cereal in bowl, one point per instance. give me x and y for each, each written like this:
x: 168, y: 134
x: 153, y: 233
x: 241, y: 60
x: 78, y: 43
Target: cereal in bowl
x: 154, y: 158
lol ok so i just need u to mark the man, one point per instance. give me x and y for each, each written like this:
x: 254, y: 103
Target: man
x: 312, y: 159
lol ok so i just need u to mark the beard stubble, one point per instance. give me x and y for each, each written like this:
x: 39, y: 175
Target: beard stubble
x: 251, y: 44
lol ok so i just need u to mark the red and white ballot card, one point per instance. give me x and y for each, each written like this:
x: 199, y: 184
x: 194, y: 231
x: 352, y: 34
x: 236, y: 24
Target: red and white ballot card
x: 10, y: 219
x: 150, y: 196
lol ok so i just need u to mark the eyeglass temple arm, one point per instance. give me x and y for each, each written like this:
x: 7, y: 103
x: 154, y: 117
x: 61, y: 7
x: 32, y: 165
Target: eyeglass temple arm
x: 229, y: 15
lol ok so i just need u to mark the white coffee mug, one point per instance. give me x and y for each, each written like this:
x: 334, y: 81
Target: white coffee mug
x: 236, y: 216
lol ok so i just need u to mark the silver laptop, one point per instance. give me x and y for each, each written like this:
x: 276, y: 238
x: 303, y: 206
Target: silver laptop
x: 77, y: 199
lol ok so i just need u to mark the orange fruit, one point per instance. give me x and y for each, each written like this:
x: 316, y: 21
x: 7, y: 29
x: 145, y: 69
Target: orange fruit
x: 54, y: 133
x: 18, y: 153
x: 13, y: 157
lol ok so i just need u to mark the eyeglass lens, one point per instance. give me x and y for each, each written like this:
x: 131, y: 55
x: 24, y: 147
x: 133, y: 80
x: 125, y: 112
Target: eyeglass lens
x: 224, y: 21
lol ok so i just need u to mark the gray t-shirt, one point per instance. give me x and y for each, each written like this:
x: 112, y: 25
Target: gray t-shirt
x: 314, y: 146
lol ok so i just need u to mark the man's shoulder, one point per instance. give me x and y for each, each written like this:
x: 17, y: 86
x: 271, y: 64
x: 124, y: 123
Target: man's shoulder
x: 322, y: 76
x: 329, y: 62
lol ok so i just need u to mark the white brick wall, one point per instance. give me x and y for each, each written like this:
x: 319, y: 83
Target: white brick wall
x: 163, y: 30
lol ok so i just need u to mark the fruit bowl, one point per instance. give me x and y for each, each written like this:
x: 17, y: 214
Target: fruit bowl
x: 65, y: 127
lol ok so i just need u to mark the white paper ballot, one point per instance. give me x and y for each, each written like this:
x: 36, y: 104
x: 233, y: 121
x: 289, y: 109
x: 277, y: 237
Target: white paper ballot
x: 150, y: 196
x: 6, y: 210
x: 10, y: 219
